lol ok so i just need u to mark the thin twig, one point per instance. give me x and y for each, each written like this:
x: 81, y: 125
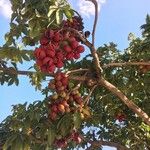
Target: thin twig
x: 76, y: 71
x: 86, y: 101
x: 95, y: 20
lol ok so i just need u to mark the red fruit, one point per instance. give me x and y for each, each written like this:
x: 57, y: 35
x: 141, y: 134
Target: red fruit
x: 61, y: 143
x: 67, y: 109
x: 70, y: 56
x: 51, y: 47
x: 46, y: 60
x: 49, y: 34
x: 55, y: 60
x: 43, y: 68
x: 76, y: 96
x: 58, y: 76
x: 121, y: 117
x: 44, y: 41
x: 60, y: 55
x: 50, y: 53
x: 64, y: 81
x: 39, y: 62
x: 51, y: 86
x: 61, y: 108
x: 79, y: 101
x: 74, y: 44
x: 80, y: 49
x: 37, y: 51
x: 76, y: 55
x: 71, y: 39
x: 51, y: 68
x: 64, y: 102
x: 58, y: 84
x: 60, y: 88
x: 78, y: 140
x: 53, y: 116
x: 57, y: 37
x: 59, y: 64
x: 54, y: 108
x: 67, y: 48
x: 42, y: 55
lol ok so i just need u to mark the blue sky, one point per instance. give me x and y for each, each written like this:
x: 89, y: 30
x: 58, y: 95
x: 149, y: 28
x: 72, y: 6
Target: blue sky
x: 116, y: 20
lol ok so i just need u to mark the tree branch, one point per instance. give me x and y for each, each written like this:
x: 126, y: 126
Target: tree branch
x: 125, y: 100
x: 97, y: 144
x: 95, y: 20
x: 26, y: 73
x: 126, y: 64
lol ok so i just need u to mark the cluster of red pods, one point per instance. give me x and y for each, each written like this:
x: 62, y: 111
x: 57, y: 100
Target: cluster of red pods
x: 57, y: 47
x: 63, y: 101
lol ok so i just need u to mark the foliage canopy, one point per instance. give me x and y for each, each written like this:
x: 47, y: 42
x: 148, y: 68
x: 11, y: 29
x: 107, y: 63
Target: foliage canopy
x: 107, y: 120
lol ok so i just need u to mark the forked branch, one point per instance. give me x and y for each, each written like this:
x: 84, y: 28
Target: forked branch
x: 125, y: 100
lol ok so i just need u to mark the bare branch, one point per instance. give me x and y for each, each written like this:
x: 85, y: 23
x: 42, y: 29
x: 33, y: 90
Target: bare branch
x: 77, y: 70
x: 26, y: 73
x: 125, y: 100
x: 126, y: 64
x: 95, y: 20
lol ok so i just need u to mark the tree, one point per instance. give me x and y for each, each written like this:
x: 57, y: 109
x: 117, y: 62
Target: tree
x: 106, y: 91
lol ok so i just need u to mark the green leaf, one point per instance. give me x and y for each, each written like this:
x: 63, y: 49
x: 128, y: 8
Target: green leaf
x: 9, y: 141
x: 59, y: 16
x: 77, y: 120
x: 25, y: 57
x: 68, y: 13
x: 11, y: 81
x: 17, y: 144
x: 51, y: 11
x: 51, y: 136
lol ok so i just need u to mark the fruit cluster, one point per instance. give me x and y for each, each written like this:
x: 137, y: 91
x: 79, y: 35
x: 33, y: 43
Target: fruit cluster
x: 63, y: 142
x: 121, y: 117
x: 57, y: 47
x: 76, y: 23
x: 63, y: 100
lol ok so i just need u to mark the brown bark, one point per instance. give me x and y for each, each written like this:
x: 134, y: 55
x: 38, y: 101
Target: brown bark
x: 121, y: 64
x: 125, y: 100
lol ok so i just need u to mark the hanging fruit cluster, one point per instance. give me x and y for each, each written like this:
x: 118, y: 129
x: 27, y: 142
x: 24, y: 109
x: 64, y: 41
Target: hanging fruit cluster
x: 120, y: 117
x: 63, y: 100
x: 58, y: 46
x: 76, y: 23
x: 63, y: 142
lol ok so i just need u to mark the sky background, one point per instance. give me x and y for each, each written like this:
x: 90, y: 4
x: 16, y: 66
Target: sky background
x: 117, y: 19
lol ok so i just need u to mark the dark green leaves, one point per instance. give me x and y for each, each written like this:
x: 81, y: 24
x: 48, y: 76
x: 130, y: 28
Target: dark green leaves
x: 51, y: 133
